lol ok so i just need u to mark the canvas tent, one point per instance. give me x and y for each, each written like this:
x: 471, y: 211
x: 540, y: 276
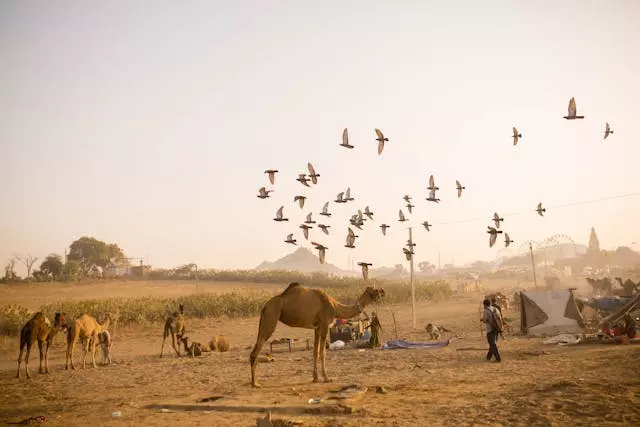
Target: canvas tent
x: 549, y: 313
x: 634, y: 304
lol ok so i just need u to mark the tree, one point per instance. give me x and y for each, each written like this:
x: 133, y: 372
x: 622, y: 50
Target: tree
x: 71, y: 269
x: 28, y: 261
x: 89, y: 251
x: 52, y: 265
x: 426, y: 267
x: 10, y: 269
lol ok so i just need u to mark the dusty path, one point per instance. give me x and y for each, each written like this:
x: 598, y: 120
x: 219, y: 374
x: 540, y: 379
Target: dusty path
x: 535, y: 385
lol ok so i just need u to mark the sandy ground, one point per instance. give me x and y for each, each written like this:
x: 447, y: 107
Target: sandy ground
x: 535, y: 384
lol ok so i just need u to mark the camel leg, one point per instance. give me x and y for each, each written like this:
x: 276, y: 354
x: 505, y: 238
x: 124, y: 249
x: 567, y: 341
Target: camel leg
x: 92, y: 349
x: 163, y: 341
x: 26, y: 358
x: 40, y: 344
x: 265, y: 330
x: 46, y: 356
x: 23, y: 344
x: 173, y: 344
x: 85, y: 348
x: 316, y: 349
x: 324, y: 330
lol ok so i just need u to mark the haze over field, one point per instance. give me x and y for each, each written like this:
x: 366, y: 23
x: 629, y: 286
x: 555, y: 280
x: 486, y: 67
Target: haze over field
x: 150, y: 124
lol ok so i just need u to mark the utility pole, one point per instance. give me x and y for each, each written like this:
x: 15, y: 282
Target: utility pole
x: 533, y: 265
x: 413, y: 288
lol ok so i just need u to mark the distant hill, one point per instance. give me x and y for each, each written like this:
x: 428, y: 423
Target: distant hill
x: 302, y: 259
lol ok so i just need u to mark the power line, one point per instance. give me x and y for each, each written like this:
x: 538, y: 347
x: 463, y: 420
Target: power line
x: 528, y: 211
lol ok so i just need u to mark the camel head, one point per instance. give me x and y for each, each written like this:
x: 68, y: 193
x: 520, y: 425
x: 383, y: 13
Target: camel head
x: 371, y: 295
x: 58, y: 321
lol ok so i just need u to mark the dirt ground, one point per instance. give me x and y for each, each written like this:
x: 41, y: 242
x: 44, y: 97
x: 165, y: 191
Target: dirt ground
x: 536, y: 384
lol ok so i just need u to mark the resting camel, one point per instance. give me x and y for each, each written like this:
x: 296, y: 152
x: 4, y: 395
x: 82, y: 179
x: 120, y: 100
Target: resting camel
x: 308, y: 308
x: 174, y: 326
x: 39, y: 328
x: 195, y: 349
x: 219, y: 343
x: 87, y: 328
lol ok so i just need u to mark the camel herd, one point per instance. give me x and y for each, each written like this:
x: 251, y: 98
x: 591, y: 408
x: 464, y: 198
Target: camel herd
x: 297, y: 306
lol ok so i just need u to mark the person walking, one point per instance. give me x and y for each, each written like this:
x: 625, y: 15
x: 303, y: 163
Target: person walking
x: 493, y: 325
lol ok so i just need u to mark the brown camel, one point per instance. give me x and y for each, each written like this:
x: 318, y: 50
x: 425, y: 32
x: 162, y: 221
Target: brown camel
x: 38, y: 328
x: 104, y: 342
x: 308, y: 308
x: 219, y: 343
x: 174, y: 326
x: 195, y: 349
x: 629, y: 287
x: 87, y: 328
x: 601, y: 285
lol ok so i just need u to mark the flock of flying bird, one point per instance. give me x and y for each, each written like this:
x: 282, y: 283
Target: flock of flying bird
x: 357, y: 220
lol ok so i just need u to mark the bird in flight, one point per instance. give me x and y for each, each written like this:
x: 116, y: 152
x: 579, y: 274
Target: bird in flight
x: 290, y: 239
x: 432, y: 196
x: 459, y: 187
x: 263, y: 193
x: 305, y: 230
x: 300, y: 200
x: 345, y: 139
x: 340, y: 198
x: 324, y: 228
x: 607, y: 131
x: 572, y: 111
x: 381, y: 139
x: 507, y: 240
x: 516, y: 136
x: 540, y: 209
x: 410, y: 207
x: 368, y: 213
x: 347, y: 195
x: 401, y: 216
x: 493, y: 235
x: 407, y: 198
x: 407, y: 253
x: 279, y: 217
x: 272, y: 175
x: 432, y: 184
x: 351, y: 238
x: 325, y: 210
x: 497, y: 219
x: 384, y: 229
x: 365, y: 269
x: 303, y: 180
x: 426, y: 225
x: 312, y: 173
x: 321, y: 251
x: 309, y: 221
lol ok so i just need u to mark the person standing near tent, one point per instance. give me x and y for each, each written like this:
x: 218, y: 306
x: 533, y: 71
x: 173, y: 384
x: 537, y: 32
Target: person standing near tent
x: 493, y: 324
x: 494, y: 303
x: 376, y: 328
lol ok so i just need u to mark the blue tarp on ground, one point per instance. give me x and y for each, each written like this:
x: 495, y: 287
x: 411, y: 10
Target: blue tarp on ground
x: 391, y: 345
x: 609, y: 303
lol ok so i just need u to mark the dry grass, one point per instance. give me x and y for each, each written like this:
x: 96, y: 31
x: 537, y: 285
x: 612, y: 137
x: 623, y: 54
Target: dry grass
x: 535, y: 384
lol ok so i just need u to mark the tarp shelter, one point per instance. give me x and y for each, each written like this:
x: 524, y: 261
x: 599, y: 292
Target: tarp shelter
x: 634, y: 304
x: 549, y: 313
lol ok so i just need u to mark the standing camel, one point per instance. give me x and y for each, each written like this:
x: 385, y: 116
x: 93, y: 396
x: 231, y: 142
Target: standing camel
x: 308, y: 308
x: 87, y: 328
x: 38, y: 328
x: 174, y: 326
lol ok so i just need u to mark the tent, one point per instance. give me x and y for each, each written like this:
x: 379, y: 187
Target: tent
x: 634, y: 304
x: 549, y: 313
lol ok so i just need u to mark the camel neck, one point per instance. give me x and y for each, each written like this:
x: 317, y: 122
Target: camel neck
x: 348, y: 311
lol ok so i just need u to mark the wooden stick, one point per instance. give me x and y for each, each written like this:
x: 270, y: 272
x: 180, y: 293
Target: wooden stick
x: 395, y: 326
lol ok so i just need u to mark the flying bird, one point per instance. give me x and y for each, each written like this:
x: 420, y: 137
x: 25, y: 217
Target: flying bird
x: 497, y: 219
x: 300, y: 200
x: 325, y: 210
x: 516, y: 136
x: 607, y: 131
x: 381, y: 139
x: 356, y: 222
x: 351, y: 238
x: 368, y: 213
x: 410, y: 207
x: 540, y: 209
x: 321, y: 251
x: 312, y: 173
x: 272, y: 175
x: 365, y: 269
x: 303, y: 180
x: 401, y: 215
x: 426, y: 225
x: 384, y: 229
x: 432, y: 184
x: 290, y: 239
x: 407, y: 253
x: 507, y: 240
x: 494, y: 235
x: 410, y: 244
x: 279, y: 216
x: 572, y: 110
x: 324, y: 228
x: 459, y: 187
x: 305, y: 230
x: 263, y: 193
x: 309, y: 221
x: 347, y: 195
x: 407, y: 198
x: 432, y: 196
x: 340, y: 198
x: 345, y: 139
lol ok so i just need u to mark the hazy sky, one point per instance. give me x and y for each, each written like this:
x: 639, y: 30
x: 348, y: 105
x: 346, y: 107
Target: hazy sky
x: 150, y: 123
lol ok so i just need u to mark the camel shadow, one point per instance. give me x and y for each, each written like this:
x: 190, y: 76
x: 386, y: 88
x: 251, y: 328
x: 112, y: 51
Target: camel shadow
x: 249, y: 409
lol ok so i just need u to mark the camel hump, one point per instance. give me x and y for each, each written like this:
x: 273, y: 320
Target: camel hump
x: 291, y: 286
